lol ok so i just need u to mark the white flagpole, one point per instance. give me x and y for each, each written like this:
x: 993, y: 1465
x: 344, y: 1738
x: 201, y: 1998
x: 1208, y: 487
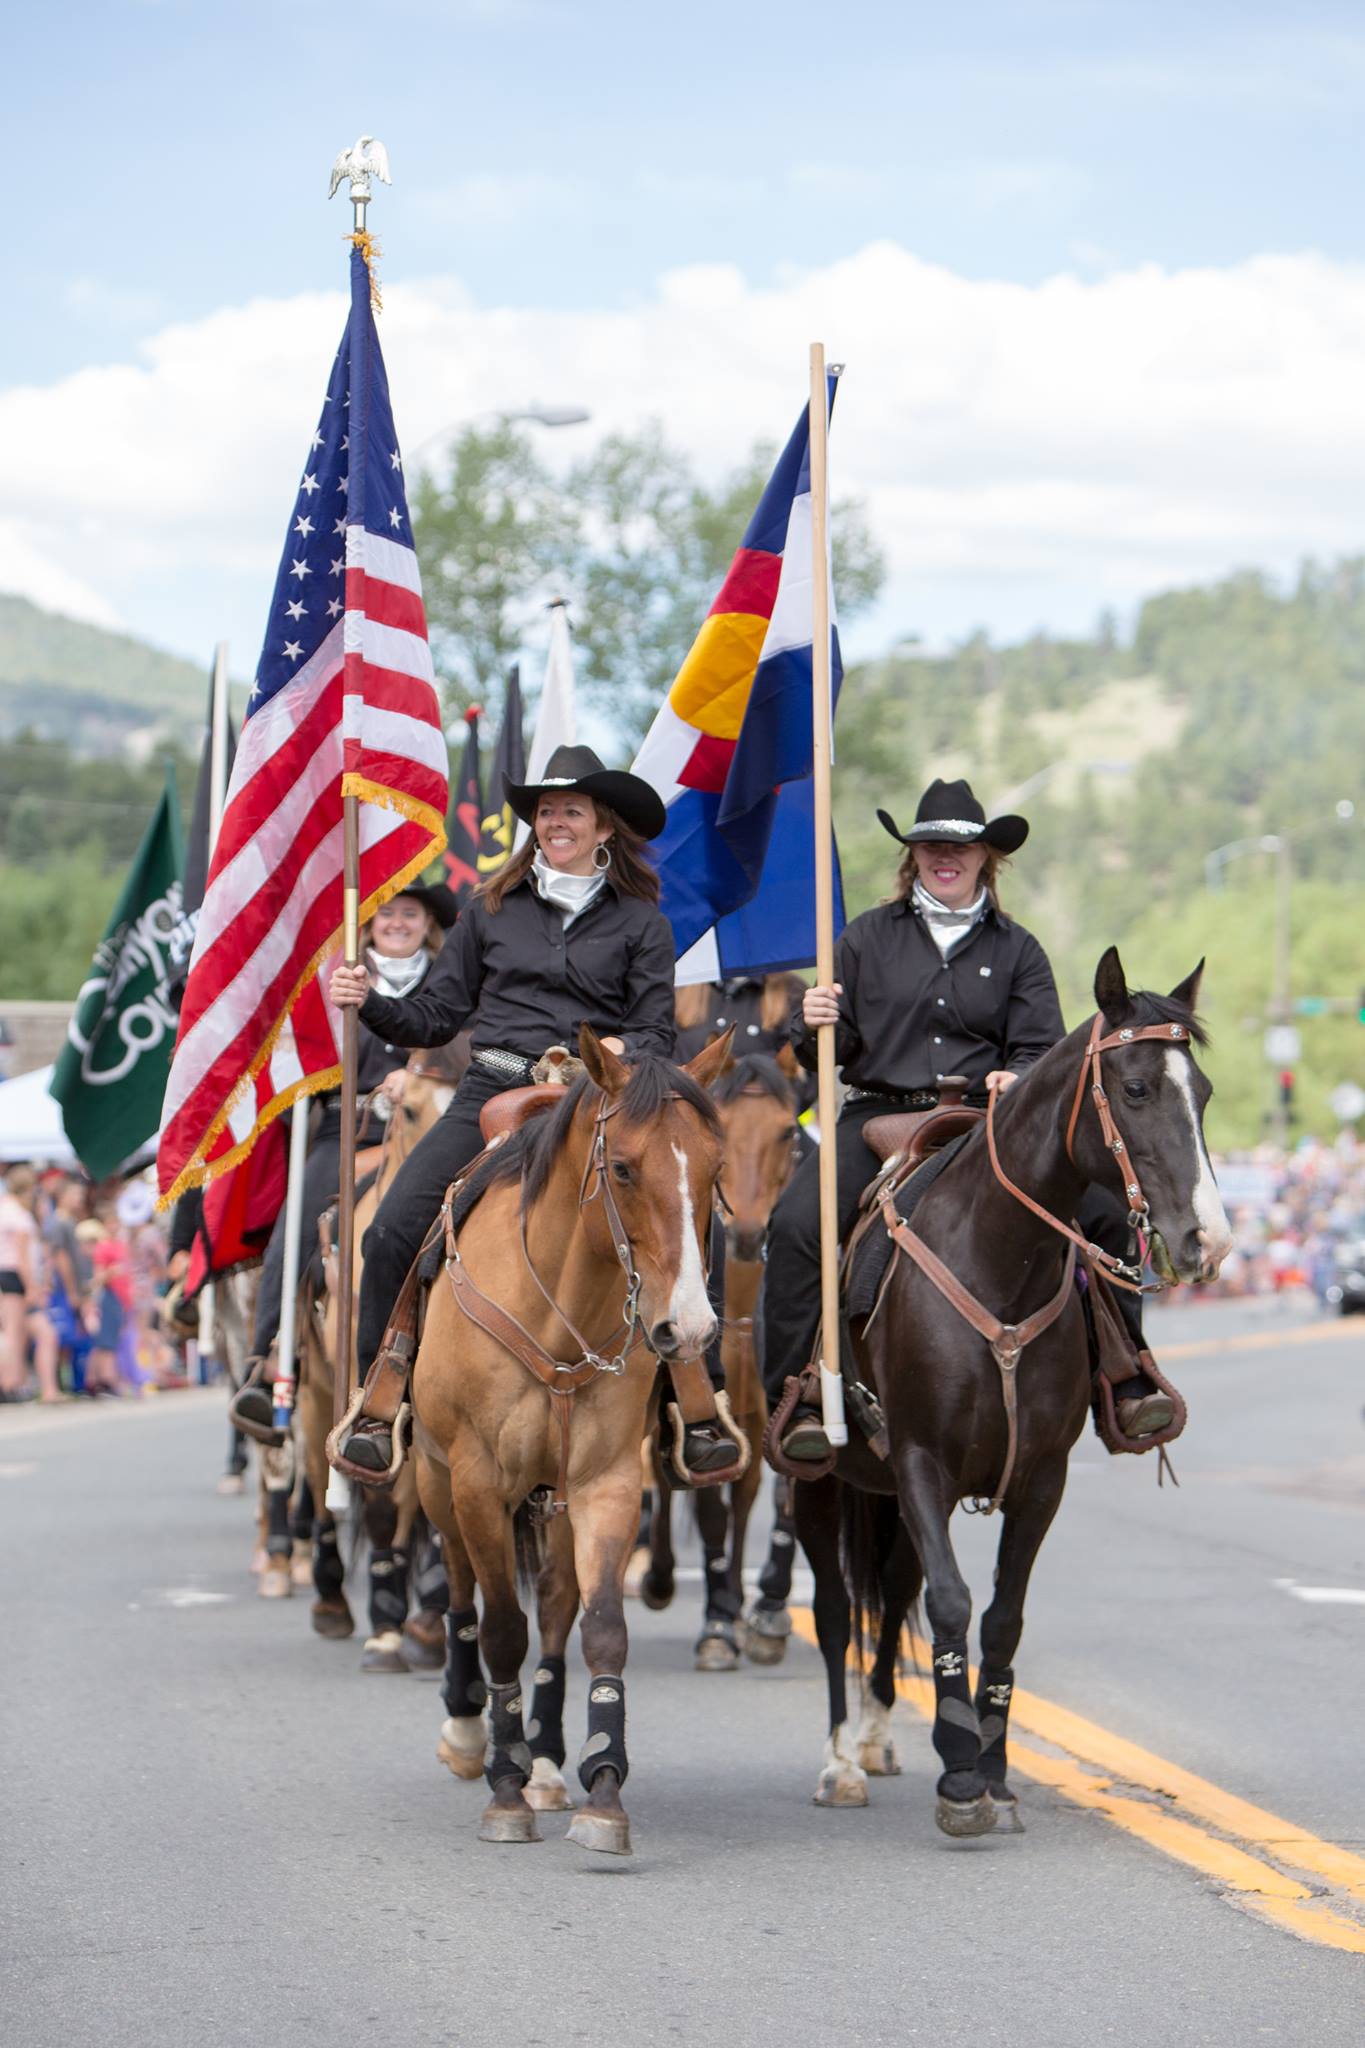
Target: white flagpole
x: 831, y: 1382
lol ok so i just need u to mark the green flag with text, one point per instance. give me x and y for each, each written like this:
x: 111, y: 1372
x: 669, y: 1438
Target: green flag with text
x: 110, y: 1076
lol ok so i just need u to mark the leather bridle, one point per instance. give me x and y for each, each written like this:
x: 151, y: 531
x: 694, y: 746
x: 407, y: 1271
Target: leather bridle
x: 1121, y: 1272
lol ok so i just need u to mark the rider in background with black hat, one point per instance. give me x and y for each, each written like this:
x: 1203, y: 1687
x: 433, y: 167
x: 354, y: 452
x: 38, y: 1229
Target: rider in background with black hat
x: 567, y: 933
x: 399, y: 946
x: 933, y: 982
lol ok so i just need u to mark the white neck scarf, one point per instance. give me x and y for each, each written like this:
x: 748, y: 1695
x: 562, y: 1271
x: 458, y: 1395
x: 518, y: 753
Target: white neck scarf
x: 947, y: 926
x: 570, y: 893
x: 397, y: 978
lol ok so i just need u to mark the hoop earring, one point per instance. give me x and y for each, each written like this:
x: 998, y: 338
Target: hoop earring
x: 605, y: 862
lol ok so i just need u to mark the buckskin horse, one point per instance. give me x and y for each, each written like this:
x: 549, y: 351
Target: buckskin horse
x: 758, y: 1114
x: 592, y: 1218
x: 978, y: 1354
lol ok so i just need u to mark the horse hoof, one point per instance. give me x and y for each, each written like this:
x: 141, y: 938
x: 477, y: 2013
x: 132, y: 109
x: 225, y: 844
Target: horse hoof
x: 275, y: 1582
x: 509, y: 1824
x: 766, y: 1632
x: 656, y: 1593
x: 719, y: 1652
x: 964, y: 1817
x: 607, y: 1833
x: 879, y: 1759
x: 461, y: 1747
x: 381, y: 1653
x: 1008, y: 1819
x: 332, y: 1618
x: 547, y: 1791
x: 260, y: 1560
x: 230, y: 1485
x: 301, y: 1572
x: 419, y: 1652
x: 845, y: 1785
x: 636, y: 1568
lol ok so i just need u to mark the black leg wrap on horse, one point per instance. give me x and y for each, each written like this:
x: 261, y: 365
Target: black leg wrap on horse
x: 388, y: 1589
x: 508, y: 1756
x: 957, y: 1734
x: 545, y: 1729
x: 775, y: 1579
x: 605, y: 1748
x: 329, y: 1573
x: 278, y: 1541
x: 722, y: 1603
x: 433, y: 1594
x: 465, y: 1693
x: 304, y: 1514
x: 994, y: 1690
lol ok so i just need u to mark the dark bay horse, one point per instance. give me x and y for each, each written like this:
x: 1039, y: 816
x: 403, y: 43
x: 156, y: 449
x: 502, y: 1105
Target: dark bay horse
x: 942, y: 1388
x: 593, y: 1219
x: 758, y: 1114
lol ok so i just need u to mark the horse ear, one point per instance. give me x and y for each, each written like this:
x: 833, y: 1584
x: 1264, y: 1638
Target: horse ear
x: 1111, y: 987
x: 605, y: 1067
x: 788, y: 1062
x: 712, y: 1061
x: 1187, y: 991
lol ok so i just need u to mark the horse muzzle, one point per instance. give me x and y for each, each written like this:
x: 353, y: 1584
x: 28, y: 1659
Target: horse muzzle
x: 670, y: 1339
x: 744, y: 1241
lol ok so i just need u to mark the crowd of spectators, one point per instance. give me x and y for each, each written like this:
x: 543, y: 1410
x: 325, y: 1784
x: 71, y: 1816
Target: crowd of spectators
x: 1290, y: 1214
x: 82, y: 1273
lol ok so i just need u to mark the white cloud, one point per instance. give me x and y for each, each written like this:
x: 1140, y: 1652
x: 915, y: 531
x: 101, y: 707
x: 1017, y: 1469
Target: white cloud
x: 1028, y: 453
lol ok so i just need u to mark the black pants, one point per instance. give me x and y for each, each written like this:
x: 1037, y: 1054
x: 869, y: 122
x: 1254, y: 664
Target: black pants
x: 410, y: 1207
x: 791, y: 1283
x: 321, y: 1181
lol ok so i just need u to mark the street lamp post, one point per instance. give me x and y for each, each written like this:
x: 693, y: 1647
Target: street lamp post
x: 534, y: 415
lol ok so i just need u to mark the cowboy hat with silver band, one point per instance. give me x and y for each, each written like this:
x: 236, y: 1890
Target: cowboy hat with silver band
x: 634, y: 800
x: 949, y: 813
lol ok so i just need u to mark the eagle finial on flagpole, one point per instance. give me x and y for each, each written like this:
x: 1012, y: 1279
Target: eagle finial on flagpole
x: 367, y: 159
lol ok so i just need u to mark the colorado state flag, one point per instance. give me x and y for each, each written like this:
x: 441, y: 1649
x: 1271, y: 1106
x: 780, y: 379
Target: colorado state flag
x: 730, y: 752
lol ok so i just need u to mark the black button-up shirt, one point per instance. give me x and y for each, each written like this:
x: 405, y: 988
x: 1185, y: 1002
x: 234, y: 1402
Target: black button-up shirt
x: 907, y: 1016
x: 529, y: 982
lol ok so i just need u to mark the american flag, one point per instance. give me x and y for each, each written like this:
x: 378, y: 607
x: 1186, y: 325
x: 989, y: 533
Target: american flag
x: 343, y: 703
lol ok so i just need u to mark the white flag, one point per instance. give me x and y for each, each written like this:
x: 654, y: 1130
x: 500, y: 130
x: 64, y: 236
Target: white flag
x: 557, y: 717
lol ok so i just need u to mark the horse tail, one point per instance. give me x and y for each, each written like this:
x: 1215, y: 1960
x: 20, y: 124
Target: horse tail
x: 877, y: 1553
x: 528, y: 1538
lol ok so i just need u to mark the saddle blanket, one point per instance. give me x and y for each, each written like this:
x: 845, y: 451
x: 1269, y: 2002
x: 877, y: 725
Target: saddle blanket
x: 873, y: 1255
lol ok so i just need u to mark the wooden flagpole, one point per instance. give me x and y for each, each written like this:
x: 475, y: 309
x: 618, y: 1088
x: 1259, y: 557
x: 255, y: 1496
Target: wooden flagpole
x: 350, y: 1048
x: 831, y: 1383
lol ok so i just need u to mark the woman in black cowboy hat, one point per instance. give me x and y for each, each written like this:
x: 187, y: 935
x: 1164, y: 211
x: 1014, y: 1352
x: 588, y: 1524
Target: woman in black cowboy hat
x: 937, y: 980
x: 399, y: 946
x: 567, y: 933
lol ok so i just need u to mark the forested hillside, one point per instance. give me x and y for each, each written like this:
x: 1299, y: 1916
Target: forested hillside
x: 1230, y: 712
x: 97, y: 691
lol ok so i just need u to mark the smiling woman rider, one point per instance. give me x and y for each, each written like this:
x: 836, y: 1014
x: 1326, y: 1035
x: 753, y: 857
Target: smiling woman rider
x: 567, y: 933
x: 936, y: 980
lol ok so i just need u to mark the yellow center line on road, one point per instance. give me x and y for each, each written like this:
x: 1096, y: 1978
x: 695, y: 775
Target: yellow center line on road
x: 1262, y: 1340
x: 1162, y: 1804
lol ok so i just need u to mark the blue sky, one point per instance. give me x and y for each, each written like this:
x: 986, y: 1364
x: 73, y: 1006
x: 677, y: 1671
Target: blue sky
x: 168, y: 162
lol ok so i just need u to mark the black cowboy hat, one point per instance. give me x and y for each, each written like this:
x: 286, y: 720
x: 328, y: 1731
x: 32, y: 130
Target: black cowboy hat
x: 435, y: 897
x: 630, y: 796
x: 949, y: 812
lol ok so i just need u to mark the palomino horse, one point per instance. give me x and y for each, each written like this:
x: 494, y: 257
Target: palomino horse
x: 593, y: 1218
x: 979, y: 1407
x: 396, y: 1642
x: 758, y: 1115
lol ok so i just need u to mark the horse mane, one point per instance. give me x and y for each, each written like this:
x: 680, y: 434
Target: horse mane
x: 755, y: 1070
x: 1147, y: 1007
x: 530, y: 1154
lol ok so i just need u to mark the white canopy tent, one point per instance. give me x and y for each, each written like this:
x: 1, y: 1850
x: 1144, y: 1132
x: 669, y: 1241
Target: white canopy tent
x: 31, y: 1122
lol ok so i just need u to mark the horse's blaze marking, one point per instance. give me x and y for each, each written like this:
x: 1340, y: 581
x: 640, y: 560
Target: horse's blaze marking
x: 1206, y: 1202
x: 1253, y: 1853
x: 690, y: 1300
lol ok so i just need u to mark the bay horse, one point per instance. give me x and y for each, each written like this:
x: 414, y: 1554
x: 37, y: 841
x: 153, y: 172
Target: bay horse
x: 397, y: 1642
x: 592, y: 1218
x: 1120, y: 1101
x: 758, y: 1111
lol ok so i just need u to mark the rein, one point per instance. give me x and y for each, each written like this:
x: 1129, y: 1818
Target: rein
x: 1121, y: 1272
x: 560, y: 1380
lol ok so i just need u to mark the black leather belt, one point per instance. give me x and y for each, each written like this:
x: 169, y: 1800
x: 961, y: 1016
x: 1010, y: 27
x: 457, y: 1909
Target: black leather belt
x: 918, y: 1098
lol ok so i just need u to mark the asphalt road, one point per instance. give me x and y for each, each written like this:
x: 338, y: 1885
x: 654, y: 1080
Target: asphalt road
x: 175, y: 1754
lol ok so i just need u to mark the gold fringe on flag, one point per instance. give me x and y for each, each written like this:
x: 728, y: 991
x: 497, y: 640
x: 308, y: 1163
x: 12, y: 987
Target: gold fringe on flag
x: 371, y: 251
